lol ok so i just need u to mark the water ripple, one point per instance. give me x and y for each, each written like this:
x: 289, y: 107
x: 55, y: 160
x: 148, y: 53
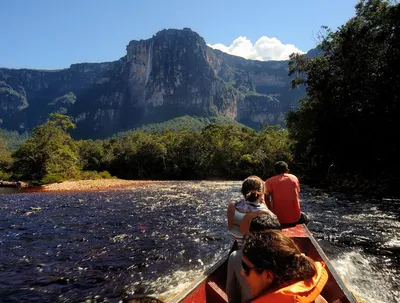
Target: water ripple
x: 102, y: 246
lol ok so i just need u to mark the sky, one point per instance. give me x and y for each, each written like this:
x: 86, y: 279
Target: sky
x: 53, y: 34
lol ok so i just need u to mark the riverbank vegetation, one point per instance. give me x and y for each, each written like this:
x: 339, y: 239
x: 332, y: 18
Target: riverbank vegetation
x: 344, y: 134
x: 346, y: 126
x: 215, y: 152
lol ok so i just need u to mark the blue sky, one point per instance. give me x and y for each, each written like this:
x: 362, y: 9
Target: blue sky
x: 49, y: 34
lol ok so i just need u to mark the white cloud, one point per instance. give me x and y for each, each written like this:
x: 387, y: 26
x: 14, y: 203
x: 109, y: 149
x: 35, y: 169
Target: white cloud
x: 264, y: 49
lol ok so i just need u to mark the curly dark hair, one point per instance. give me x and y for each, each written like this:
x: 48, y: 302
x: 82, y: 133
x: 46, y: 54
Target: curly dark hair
x: 272, y: 250
x: 263, y: 222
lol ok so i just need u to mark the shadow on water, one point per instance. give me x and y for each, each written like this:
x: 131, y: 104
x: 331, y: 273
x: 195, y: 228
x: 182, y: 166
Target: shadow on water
x: 20, y: 190
x: 104, y: 246
x: 10, y: 190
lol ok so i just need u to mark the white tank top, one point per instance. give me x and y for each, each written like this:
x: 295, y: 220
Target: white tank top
x: 242, y: 207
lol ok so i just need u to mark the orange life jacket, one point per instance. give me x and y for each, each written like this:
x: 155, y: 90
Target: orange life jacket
x: 299, y: 292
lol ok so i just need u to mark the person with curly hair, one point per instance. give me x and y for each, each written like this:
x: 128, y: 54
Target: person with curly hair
x: 277, y: 271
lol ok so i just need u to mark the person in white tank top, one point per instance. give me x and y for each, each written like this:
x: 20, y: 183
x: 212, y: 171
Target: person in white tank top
x: 241, y: 212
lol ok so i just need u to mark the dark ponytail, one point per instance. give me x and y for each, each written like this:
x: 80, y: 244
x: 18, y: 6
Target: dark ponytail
x: 252, y: 196
x: 253, y: 188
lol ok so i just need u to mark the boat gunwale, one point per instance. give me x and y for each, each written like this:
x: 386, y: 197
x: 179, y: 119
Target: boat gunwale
x: 348, y: 294
x: 181, y: 296
x: 196, y: 283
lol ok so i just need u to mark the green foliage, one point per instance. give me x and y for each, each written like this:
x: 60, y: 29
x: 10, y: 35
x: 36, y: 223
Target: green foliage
x: 223, y: 145
x: 5, y: 159
x: 139, y: 155
x: 49, y: 151
x: 13, y: 138
x: 67, y: 99
x: 5, y: 155
x: 353, y: 92
x: 94, y: 175
x: 83, y: 175
x: 52, y: 178
x: 61, y: 104
x: 216, y: 151
x: 61, y: 121
x: 20, y: 98
x: 182, y: 123
x: 92, y: 155
x: 104, y: 175
x: 4, y: 176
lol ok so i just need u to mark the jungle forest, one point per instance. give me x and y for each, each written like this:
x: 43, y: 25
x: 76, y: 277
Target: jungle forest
x: 344, y: 134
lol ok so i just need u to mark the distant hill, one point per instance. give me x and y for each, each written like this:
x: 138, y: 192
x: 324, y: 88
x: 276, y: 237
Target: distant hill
x: 183, y: 123
x: 170, y: 75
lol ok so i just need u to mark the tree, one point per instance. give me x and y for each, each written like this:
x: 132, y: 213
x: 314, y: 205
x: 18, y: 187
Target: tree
x: 50, y: 151
x: 92, y: 156
x: 186, y: 155
x: 350, y: 113
x: 223, y: 146
x: 5, y: 159
x: 139, y: 155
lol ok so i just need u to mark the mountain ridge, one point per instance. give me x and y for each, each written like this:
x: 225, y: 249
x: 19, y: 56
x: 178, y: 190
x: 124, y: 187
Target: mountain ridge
x: 172, y: 74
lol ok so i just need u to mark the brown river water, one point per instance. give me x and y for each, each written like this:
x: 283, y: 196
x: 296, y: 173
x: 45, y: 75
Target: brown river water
x: 106, y: 245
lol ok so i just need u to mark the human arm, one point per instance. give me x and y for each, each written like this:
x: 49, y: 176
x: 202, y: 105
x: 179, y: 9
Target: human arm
x: 231, y: 213
x: 232, y: 285
x: 268, y: 195
x: 268, y: 200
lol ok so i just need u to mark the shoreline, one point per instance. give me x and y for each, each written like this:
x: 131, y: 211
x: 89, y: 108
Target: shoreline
x: 95, y: 185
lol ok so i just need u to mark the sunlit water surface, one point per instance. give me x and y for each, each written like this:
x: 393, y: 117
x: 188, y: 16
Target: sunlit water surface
x: 154, y: 240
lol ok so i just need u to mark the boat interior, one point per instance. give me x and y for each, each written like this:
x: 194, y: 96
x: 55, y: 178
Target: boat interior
x: 211, y: 286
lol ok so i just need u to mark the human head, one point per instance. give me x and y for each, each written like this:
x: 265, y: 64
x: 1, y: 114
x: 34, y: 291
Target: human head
x: 274, y: 261
x: 281, y: 167
x: 253, y: 188
x: 264, y: 222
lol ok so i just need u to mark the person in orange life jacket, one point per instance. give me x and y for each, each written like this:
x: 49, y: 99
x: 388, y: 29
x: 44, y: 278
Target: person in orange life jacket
x: 237, y: 288
x: 283, y: 190
x: 253, y: 190
x: 277, y: 271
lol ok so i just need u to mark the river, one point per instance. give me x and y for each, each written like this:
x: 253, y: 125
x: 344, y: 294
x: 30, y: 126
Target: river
x: 103, y: 246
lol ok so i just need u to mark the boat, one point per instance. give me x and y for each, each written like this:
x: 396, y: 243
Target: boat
x: 210, y: 287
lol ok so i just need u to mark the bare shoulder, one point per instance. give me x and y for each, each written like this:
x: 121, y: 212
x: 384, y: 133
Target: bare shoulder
x: 231, y: 206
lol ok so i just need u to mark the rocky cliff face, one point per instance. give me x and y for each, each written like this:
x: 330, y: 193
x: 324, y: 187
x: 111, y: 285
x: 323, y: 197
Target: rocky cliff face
x: 172, y: 74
